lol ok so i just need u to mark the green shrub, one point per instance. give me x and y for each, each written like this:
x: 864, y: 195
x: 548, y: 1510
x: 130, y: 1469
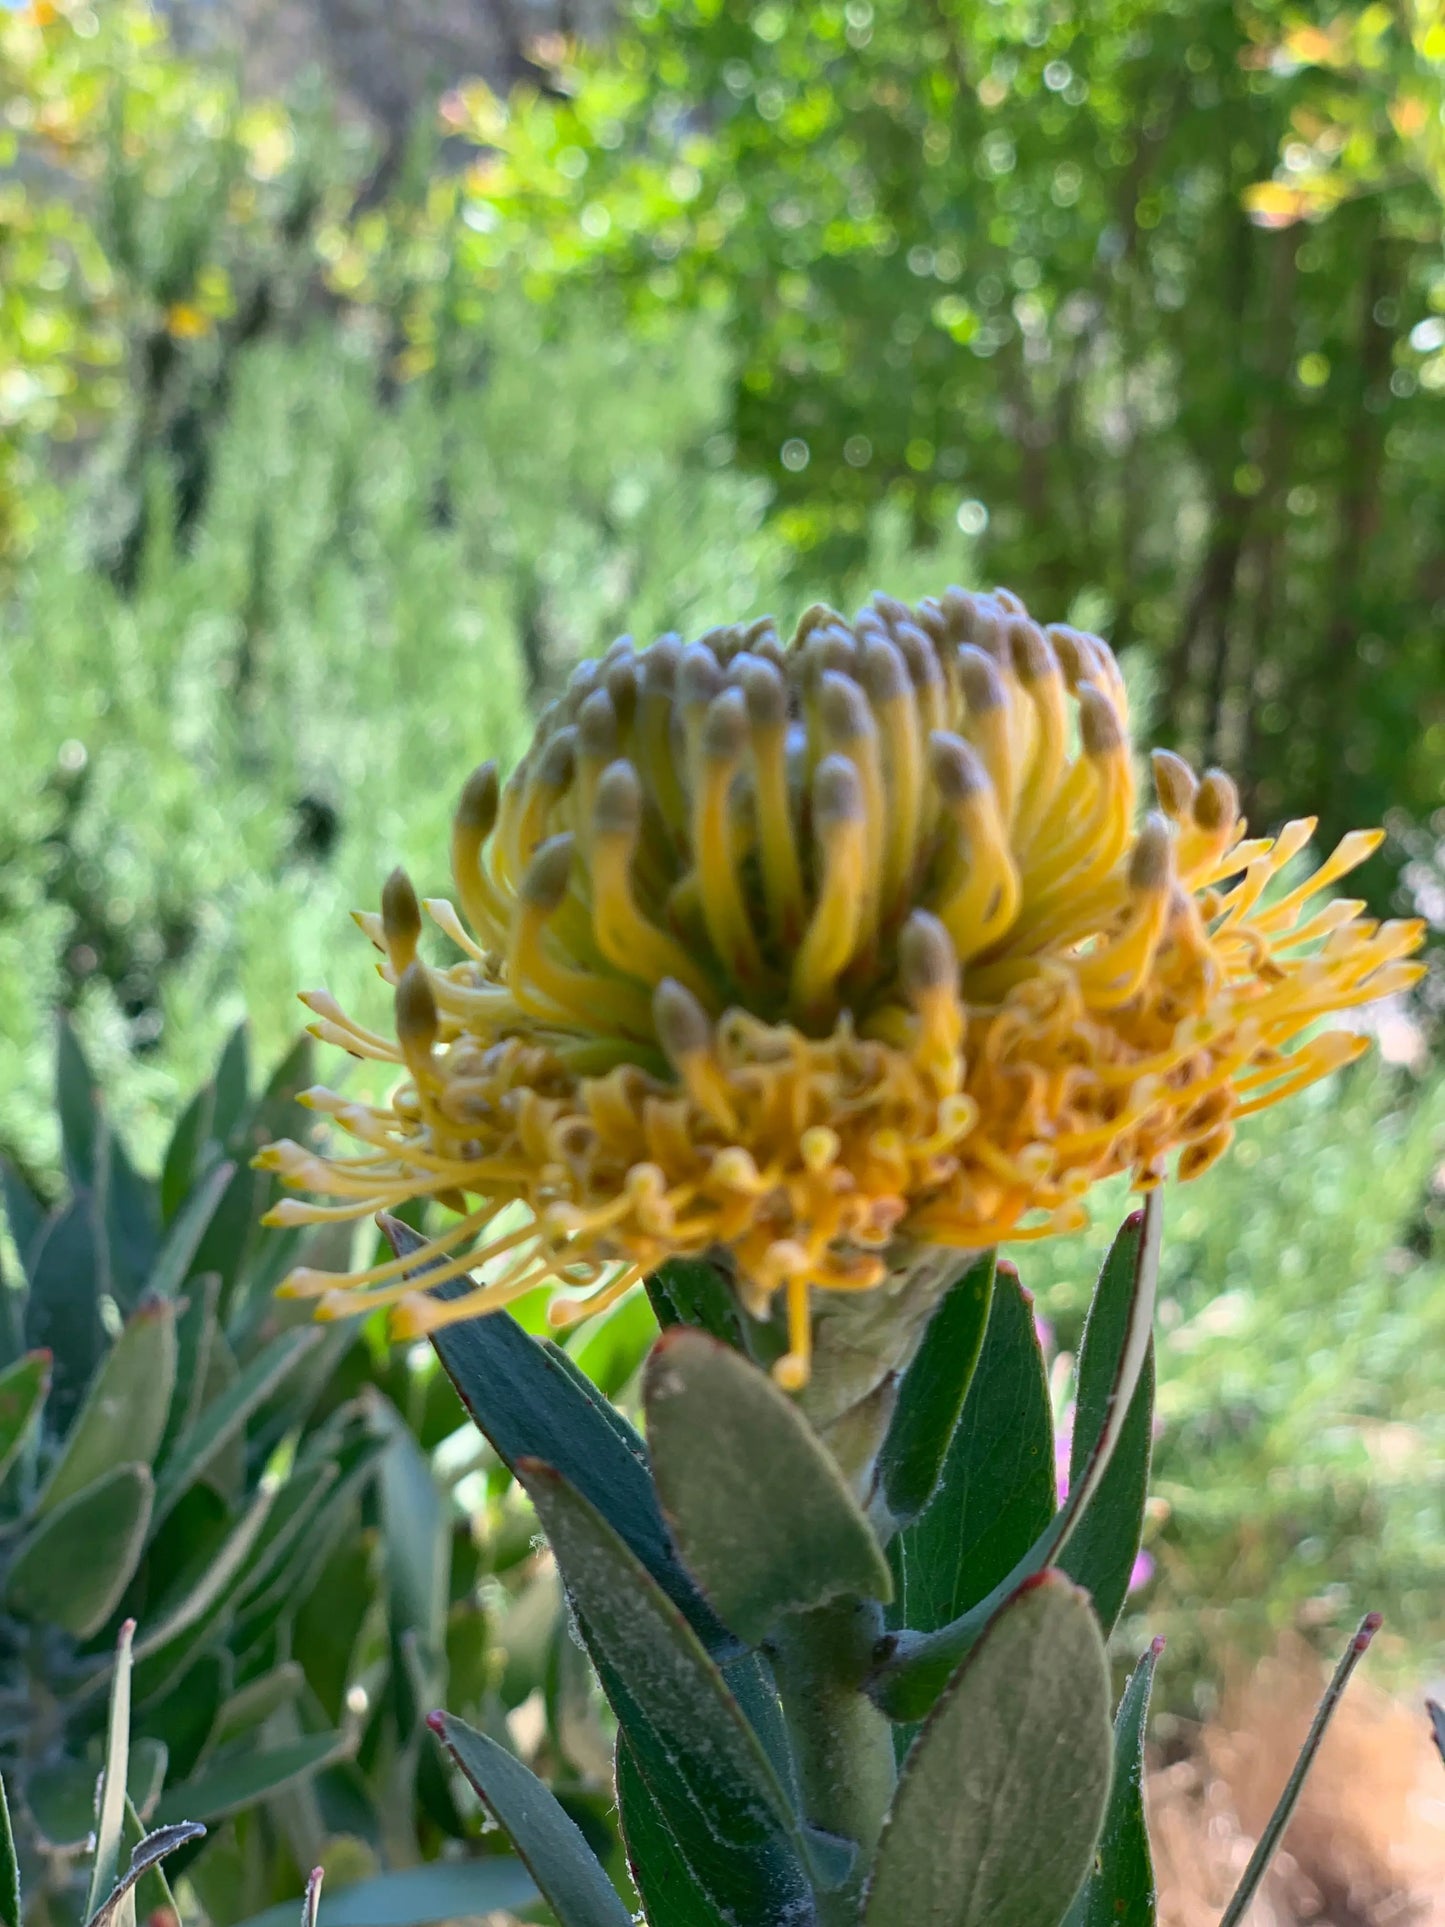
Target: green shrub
x: 1302, y: 1306
x: 207, y: 774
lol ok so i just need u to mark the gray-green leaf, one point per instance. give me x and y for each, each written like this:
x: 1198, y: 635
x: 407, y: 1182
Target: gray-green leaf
x: 1120, y: 1890
x: 225, y: 1419
x: 932, y: 1394
x: 125, y: 1409
x: 73, y: 1567
x: 1001, y: 1798
x: 568, y: 1874
x: 762, y: 1516
x: 701, y: 1759
x: 23, y: 1387
x: 227, y: 1785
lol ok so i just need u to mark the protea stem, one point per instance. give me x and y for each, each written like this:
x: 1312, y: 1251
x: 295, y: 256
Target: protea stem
x: 842, y: 1744
x: 863, y: 1342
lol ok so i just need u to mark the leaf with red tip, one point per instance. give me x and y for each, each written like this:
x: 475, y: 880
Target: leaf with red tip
x: 1001, y: 1797
x: 912, y: 1674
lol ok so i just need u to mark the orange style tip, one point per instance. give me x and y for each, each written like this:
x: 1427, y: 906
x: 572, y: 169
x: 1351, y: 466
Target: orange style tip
x: 334, y: 1306
x: 790, y: 1373
x: 411, y: 1319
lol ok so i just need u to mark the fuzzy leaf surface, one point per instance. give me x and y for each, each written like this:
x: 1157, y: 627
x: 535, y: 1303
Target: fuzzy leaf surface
x: 568, y: 1874
x: 1120, y: 1889
x: 152, y: 1890
x: 148, y: 1855
x: 23, y: 1387
x: 671, y: 1892
x: 932, y: 1394
x: 996, y: 1493
x: 125, y: 1410
x: 690, y: 1739
x: 72, y: 1568
x: 529, y: 1404
x: 1105, y: 1544
x: 1000, y: 1801
x: 761, y: 1514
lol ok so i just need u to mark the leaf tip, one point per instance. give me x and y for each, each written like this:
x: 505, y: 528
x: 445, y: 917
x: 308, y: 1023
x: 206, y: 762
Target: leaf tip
x: 532, y: 1471
x: 1156, y: 1645
x: 392, y: 1229
x: 1369, y: 1626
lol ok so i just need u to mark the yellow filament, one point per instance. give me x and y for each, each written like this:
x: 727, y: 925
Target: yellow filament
x: 627, y: 939
x: 1046, y: 693
x: 832, y: 933
x: 979, y: 908
x: 1348, y: 855
x: 792, y: 1369
x: 777, y: 844
x: 483, y: 905
x: 714, y: 842
x: 552, y: 990
x: 904, y: 758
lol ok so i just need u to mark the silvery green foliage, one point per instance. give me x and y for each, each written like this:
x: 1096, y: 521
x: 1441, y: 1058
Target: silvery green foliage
x: 173, y: 1453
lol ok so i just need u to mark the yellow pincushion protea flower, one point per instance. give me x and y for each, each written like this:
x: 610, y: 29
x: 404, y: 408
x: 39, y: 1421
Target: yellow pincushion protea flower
x: 812, y: 956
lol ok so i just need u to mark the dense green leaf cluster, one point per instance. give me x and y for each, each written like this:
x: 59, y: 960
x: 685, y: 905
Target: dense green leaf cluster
x: 227, y: 1496
x: 756, y: 1621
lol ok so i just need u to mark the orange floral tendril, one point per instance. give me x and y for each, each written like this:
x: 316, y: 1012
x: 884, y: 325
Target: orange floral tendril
x: 807, y: 953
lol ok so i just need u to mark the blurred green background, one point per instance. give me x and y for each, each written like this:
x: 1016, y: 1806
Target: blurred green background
x: 334, y: 429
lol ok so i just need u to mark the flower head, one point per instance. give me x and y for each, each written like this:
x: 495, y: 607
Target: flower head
x: 815, y: 955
